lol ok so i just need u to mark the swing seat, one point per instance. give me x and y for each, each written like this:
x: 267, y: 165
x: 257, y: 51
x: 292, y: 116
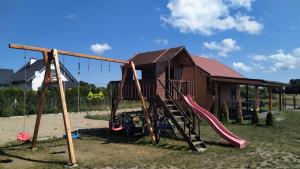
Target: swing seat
x: 117, y: 128
x: 75, y: 135
x: 23, y: 136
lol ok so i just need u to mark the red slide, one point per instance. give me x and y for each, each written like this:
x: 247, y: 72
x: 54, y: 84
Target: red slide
x: 215, y: 123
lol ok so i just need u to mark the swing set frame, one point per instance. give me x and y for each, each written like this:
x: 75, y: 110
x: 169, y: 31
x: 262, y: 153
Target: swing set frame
x: 52, y: 55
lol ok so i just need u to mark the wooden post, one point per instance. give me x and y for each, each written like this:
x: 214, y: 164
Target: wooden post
x: 280, y: 99
x: 247, y: 97
x: 64, y: 108
x: 195, y: 83
x: 143, y: 103
x: 256, y: 98
x: 216, y: 106
x: 41, y: 108
x: 115, y: 104
x: 270, y: 99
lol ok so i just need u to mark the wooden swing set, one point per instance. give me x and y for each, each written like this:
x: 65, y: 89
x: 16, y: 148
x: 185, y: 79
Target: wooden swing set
x: 52, y: 56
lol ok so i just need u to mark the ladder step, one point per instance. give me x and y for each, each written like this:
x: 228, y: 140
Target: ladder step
x: 197, y: 143
x: 170, y: 105
x: 178, y: 117
x: 174, y: 111
x: 193, y: 136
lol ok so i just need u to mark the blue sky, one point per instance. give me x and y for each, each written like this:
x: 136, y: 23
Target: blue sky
x: 260, y: 39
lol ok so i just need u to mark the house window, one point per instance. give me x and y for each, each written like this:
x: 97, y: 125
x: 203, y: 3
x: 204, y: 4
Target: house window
x: 233, y: 93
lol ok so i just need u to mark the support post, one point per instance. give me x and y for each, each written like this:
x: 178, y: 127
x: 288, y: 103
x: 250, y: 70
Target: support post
x: 64, y: 108
x: 269, y: 118
x: 255, y: 118
x: 280, y: 99
x: 41, y: 108
x: 119, y: 98
x: 216, y: 102
x: 256, y: 98
x: 143, y: 103
x: 270, y: 99
x: 247, y: 97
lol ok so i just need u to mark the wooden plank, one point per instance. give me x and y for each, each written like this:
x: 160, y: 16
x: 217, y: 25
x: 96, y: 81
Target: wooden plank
x: 216, y: 103
x: 39, y: 49
x: 256, y: 98
x: 143, y: 103
x: 247, y: 97
x: 115, y: 106
x: 64, y: 108
x: 270, y: 99
x: 41, y: 108
x: 280, y: 99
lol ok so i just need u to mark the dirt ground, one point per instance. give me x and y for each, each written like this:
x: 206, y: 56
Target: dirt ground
x: 52, y: 125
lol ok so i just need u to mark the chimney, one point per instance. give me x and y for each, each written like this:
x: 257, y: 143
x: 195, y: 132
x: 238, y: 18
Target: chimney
x: 32, y: 60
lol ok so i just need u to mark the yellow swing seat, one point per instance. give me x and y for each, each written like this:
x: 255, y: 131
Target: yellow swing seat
x: 91, y: 95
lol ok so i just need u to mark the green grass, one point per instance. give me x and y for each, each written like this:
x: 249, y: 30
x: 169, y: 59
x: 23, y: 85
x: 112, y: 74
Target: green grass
x: 268, y: 147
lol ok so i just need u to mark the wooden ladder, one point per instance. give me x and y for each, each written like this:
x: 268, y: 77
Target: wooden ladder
x: 183, y: 121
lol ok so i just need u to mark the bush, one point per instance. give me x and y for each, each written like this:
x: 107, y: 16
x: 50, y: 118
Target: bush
x: 7, y: 112
x: 269, y: 119
x: 255, y: 118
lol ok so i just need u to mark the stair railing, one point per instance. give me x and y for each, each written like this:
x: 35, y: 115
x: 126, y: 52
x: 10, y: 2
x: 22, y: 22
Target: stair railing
x: 186, y: 117
x: 181, y: 97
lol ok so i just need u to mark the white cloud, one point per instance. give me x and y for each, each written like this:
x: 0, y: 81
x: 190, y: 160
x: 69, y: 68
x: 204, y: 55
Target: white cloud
x: 277, y: 61
x: 223, y: 47
x: 100, y: 48
x: 205, y: 17
x: 162, y: 41
x: 240, y: 3
x: 70, y: 16
x: 241, y: 66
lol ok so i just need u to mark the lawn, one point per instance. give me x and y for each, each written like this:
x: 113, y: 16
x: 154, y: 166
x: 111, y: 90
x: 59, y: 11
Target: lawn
x: 269, y: 147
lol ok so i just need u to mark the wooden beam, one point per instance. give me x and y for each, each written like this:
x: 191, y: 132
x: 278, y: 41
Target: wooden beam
x: 41, y: 108
x: 280, y: 99
x: 143, y: 103
x: 64, y: 108
x: 216, y: 105
x: 256, y: 98
x: 115, y: 107
x: 247, y: 97
x: 270, y: 99
x: 39, y: 49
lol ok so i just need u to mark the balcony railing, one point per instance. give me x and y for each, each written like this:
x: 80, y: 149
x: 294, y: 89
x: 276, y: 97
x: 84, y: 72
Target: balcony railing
x: 149, y: 89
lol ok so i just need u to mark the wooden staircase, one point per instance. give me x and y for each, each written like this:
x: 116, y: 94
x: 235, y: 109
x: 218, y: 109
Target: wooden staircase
x: 183, y: 120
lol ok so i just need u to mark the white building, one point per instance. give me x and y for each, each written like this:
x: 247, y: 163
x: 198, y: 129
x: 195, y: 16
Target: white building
x: 35, y: 71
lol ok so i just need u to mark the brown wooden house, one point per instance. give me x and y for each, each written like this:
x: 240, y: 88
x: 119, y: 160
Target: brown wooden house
x: 207, y: 80
x: 168, y: 74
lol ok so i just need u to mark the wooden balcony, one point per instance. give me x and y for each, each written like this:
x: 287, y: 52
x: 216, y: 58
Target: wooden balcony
x: 150, y: 89
x: 130, y: 93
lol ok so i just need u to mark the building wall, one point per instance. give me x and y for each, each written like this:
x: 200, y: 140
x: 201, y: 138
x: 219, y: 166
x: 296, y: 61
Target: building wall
x: 204, y: 95
x: 161, y: 75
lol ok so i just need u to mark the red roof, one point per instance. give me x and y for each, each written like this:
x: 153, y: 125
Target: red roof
x: 215, y: 68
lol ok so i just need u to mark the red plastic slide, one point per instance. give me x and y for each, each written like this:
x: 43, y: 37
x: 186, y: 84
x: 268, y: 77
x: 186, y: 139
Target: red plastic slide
x: 215, y: 123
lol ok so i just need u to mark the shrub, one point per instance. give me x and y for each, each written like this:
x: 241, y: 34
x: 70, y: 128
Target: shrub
x: 269, y: 119
x: 255, y: 117
x: 7, y: 112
